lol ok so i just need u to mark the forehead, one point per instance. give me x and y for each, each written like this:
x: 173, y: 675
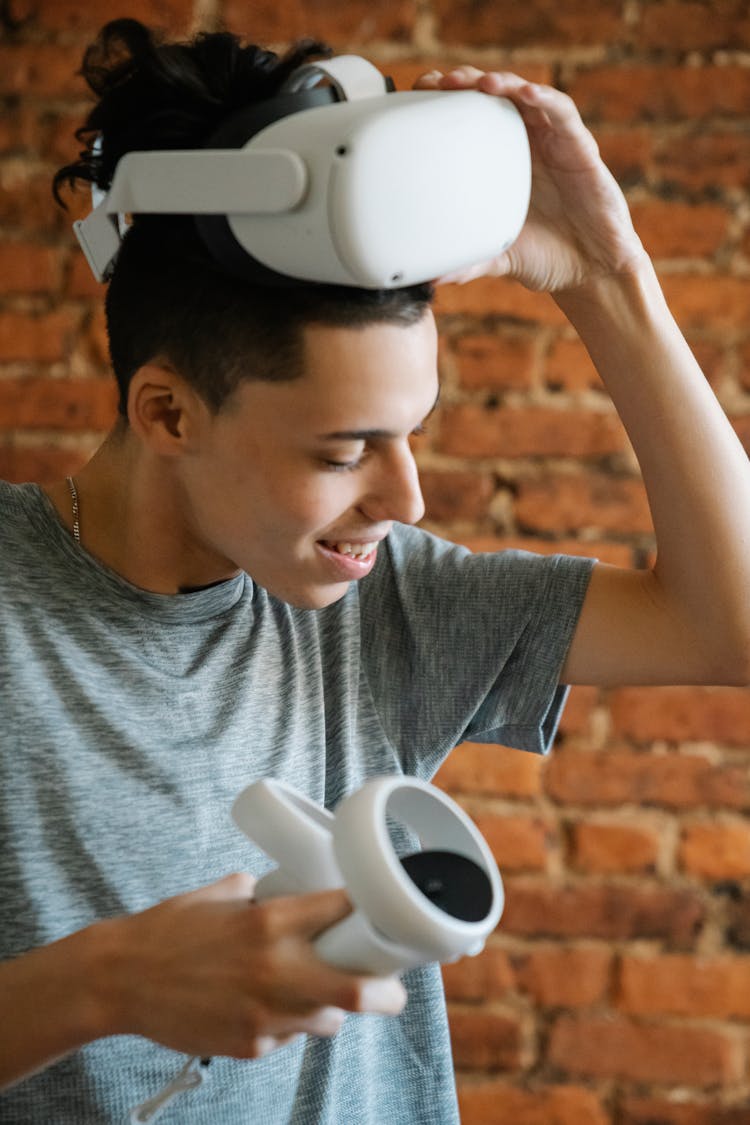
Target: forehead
x: 388, y: 367
x: 375, y: 377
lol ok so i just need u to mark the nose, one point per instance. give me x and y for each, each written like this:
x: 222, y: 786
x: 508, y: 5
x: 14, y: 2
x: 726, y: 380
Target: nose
x: 394, y: 492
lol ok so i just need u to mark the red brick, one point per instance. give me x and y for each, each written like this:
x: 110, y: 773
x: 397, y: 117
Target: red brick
x: 42, y: 70
x: 661, y: 1111
x: 707, y: 160
x: 488, y: 1102
x: 675, y: 984
x: 495, y: 362
x: 174, y: 16
x: 26, y: 205
x: 606, y: 848
x: 745, y: 365
x: 41, y: 464
x: 535, y: 23
x: 671, y: 229
x: 629, y: 93
x: 497, y: 296
x: 476, y: 767
x: 648, y: 1053
x: 488, y: 976
x: 618, y: 777
x: 627, y: 152
x: 682, y: 714
x: 37, y: 339
x: 483, y: 1039
x: 564, y: 503
x: 562, y: 977
x: 474, y: 431
x: 81, y: 281
x: 358, y: 21
x: 576, y: 718
x: 518, y: 843
x: 677, y: 25
x: 601, y: 911
x: 716, y: 851
x: 738, y: 919
x: 707, y: 302
x: 60, y: 404
x: 26, y: 268
x: 741, y: 427
x: 455, y: 494
x: 711, y: 359
x: 569, y: 367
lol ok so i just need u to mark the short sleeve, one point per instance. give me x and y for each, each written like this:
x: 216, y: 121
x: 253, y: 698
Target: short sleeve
x: 461, y: 646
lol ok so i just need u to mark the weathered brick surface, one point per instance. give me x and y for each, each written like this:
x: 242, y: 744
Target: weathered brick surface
x: 663, y: 1111
x: 716, y: 851
x: 685, y: 986
x: 617, y: 911
x: 477, y: 767
x: 489, y: 975
x: 495, y: 1102
x: 644, y: 1052
x: 615, y: 990
x: 474, y: 431
x: 564, y: 976
x: 683, y: 714
x: 484, y: 1039
x: 593, y: 502
x: 618, y: 777
x: 614, y: 847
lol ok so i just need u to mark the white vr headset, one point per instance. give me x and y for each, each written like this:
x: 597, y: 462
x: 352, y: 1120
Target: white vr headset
x: 347, y: 184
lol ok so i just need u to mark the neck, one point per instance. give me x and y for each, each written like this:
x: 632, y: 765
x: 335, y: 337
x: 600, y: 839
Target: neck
x: 132, y: 518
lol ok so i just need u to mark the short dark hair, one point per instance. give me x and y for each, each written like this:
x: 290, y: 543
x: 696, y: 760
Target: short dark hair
x: 167, y: 298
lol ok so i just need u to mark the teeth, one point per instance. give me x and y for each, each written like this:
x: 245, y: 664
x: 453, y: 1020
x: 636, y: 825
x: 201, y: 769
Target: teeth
x: 354, y: 550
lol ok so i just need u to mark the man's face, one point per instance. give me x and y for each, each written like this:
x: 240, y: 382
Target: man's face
x: 297, y: 482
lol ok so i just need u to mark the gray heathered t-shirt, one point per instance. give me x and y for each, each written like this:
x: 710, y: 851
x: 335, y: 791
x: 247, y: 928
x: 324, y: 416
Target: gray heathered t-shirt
x: 130, y: 722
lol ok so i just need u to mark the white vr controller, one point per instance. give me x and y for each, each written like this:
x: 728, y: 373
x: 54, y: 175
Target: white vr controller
x: 437, y: 904
x: 347, y: 184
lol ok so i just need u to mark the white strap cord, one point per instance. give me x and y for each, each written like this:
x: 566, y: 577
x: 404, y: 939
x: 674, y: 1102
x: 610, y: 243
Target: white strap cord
x: 193, y: 1074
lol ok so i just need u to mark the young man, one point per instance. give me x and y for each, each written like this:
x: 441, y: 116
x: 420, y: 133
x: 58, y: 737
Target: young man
x: 231, y: 589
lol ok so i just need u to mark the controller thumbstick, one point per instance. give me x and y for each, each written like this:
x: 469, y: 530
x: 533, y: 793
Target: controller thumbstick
x: 452, y: 882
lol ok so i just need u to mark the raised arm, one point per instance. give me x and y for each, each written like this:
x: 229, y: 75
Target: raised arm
x: 686, y: 620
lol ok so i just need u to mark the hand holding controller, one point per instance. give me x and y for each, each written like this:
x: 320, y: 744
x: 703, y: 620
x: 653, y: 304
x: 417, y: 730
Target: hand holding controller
x: 438, y: 904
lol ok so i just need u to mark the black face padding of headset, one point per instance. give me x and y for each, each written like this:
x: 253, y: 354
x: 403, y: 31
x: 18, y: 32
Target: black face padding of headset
x: 235, y: 132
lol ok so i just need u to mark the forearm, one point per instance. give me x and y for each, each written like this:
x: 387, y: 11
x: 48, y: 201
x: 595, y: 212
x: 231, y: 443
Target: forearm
x: 49, y: 1002
x: 695, y: 470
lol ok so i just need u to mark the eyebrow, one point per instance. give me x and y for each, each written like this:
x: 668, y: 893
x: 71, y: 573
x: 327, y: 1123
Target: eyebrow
x: 371, y: 435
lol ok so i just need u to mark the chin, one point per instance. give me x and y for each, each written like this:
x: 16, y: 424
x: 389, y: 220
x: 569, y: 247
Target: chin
x: 311, y: 597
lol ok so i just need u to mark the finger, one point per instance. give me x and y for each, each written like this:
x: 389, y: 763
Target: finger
x: 313, y: 983
x: 559, y: 108
x: 428, y: 81
x: 461, y: 76
x: 303, y: 916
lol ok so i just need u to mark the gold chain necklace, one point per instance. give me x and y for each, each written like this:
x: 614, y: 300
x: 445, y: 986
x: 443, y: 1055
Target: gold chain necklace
x: 74, y: 500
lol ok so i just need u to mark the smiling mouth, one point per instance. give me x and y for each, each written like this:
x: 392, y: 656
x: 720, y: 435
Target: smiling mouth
x: 351, y: 550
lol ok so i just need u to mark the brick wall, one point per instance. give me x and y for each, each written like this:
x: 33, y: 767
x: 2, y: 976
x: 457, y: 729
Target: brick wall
x: 617, y: 990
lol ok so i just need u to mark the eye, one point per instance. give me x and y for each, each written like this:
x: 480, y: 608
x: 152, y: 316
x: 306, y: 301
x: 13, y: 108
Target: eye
x: 343, y: 466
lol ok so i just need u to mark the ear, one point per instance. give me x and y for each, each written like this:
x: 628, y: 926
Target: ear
x: 164, y: 411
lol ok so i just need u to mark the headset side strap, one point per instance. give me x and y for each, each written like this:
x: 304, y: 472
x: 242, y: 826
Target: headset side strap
x: 352, y: 76
x: 99, y: 239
